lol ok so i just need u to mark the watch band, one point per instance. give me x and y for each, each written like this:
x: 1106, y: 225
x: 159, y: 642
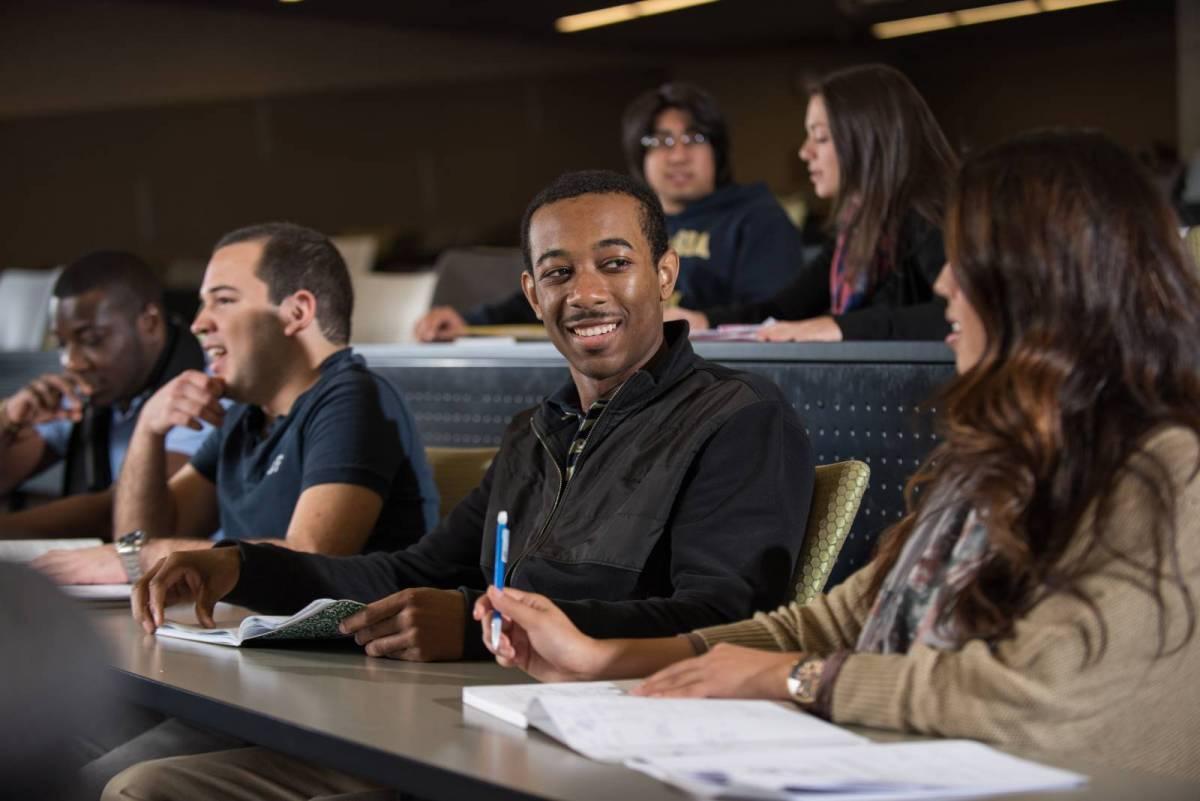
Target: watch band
x: 804, y: 679
x: 129, y: 548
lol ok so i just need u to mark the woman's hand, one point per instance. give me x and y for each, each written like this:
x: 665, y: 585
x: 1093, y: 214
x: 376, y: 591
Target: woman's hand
x: 538, y: 638
x: 727, y: 671
x: 817, y: 329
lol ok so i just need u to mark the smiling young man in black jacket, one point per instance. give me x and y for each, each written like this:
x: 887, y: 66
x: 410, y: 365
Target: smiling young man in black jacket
x: 653, y: 494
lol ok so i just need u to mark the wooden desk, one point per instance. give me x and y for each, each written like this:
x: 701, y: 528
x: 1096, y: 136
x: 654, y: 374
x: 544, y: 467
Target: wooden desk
x: 403, y: 724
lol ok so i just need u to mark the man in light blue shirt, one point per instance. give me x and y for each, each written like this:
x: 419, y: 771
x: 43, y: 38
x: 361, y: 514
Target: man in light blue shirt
x: 118, y: 347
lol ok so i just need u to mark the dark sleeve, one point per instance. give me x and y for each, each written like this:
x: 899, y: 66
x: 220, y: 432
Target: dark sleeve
x: 924, y: 319
x: 768, y: 255
x: 279, y: 581
x: 806, y: 296
x: 512, y: 310
x: 207, y: 456
x: 348, y: 440
x: 734, y: 533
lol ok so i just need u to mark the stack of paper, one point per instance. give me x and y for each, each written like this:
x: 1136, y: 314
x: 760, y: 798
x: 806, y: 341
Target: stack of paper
x: 317, y: 621
x: 877, y: 772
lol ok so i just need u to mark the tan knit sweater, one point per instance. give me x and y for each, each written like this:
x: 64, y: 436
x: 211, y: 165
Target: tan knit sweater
x: 1033, y: 691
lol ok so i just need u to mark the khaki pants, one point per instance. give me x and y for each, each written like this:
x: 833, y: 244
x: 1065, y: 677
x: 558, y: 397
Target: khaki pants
x: 240, y: 774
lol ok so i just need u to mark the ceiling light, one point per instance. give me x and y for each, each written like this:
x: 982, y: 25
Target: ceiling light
x: 973, y: 16
x: 623, y: 13
x: 913, y: 25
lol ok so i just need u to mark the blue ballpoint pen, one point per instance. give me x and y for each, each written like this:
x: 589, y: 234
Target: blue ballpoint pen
x: 500, y: 567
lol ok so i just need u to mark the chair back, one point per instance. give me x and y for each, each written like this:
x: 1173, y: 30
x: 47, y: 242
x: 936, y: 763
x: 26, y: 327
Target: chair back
x: 388, y: 305
x: 457, y: 471
x: 1191, y: 244
x: 470, y: 276
x: 25, y: 308
x: 837, y: 492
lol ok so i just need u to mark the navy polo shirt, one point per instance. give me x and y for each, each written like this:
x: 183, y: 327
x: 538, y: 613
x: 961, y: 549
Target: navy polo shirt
x: 351, y: 427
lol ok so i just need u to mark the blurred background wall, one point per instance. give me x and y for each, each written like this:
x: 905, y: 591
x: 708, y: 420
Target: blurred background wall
x: 156, y: 126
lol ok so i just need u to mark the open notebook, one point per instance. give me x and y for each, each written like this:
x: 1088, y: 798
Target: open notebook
x: 716, y: 748
x: 317, y: 621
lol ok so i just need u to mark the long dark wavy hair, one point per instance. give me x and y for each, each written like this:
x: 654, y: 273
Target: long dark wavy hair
x: 1073, y: 262
x: 893, y: 159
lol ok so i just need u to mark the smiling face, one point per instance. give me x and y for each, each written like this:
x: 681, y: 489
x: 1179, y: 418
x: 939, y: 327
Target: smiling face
x: 680, y: 174
x: 967, y: 337
x: 107, y: 344
x: 242, y: 332
x: 596, y: 287
x: 818, y: 152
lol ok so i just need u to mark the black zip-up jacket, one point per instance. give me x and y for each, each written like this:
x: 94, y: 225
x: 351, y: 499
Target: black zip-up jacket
x: 686, y: 509
x: 902, y: 306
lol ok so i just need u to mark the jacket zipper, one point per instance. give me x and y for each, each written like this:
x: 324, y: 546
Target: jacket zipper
x: 562, y: 489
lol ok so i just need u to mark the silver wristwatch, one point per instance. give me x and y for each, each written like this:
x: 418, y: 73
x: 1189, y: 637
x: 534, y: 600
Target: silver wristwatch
x: 129, y: 547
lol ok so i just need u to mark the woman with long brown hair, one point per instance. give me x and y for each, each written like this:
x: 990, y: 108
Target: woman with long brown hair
x: 875, y: 150
x: 1041, y: 591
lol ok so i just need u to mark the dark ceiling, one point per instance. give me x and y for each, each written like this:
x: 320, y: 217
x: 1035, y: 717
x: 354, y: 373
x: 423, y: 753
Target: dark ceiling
x: 725, y: 24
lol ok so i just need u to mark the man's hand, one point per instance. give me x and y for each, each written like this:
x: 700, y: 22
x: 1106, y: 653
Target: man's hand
x: 185, y: 400
x: 201, y: 576
x: 42, y: 399
x: 538, y: 638
x: 817, y: 329
x: 727, y: 671
x: 419, y: 624
x: 99, y: 565
x: 440, y: 324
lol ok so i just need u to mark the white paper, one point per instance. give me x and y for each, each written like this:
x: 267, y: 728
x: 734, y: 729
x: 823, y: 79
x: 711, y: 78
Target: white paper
x: 614, y: 729
x: 318, y: 620
x: 871, y: 772
x: 28, y: 550
x: 98, y: 592
x: 510, y: 702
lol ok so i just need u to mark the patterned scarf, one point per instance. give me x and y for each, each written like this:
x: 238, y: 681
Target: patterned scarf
x: 943, y: 554
x: 846, y: 294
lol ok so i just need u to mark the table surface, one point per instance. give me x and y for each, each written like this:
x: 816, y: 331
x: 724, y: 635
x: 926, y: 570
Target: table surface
x: 403, y: 724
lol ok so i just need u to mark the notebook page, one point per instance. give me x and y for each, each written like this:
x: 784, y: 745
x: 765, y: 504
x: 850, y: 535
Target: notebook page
x: 509, y: 702
x: 615, y: 729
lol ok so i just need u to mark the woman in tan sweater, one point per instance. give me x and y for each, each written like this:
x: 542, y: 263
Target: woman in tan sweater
x: 1041, y: 591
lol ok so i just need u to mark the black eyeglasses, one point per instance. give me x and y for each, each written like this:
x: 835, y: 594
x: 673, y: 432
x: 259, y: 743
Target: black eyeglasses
x: 668, y: 141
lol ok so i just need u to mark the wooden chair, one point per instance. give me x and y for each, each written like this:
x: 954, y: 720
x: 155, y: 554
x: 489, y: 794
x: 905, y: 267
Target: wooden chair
x: 457, y: 471
x: 837, y: 493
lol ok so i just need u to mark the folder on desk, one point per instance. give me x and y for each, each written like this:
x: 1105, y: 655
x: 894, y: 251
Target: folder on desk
x: 317, y: 621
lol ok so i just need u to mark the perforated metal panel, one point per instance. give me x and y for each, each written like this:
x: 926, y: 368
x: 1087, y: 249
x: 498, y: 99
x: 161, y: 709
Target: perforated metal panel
x: 858, y: 401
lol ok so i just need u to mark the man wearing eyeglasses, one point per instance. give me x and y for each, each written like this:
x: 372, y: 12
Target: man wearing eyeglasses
x: 735, y: 243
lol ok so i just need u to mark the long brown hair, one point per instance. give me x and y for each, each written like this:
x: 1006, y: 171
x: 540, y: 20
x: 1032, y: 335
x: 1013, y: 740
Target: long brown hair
x: 1074, y: 265
x: 892, y: 158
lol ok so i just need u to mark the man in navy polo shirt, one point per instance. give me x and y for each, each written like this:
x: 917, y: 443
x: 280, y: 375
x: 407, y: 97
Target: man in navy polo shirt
x: 317, y: 453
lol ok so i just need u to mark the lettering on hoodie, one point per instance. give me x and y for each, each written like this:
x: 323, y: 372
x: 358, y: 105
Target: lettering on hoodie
x: 691, y: 244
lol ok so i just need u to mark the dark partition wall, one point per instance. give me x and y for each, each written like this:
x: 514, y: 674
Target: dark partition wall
x: 858, y: 401
x: 864, y: 401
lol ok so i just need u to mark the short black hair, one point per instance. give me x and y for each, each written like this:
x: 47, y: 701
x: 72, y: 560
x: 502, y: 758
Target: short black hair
x: 602, y: 182
x: 638, y: 121
x: 114, y: 271
x: 295, y: 258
